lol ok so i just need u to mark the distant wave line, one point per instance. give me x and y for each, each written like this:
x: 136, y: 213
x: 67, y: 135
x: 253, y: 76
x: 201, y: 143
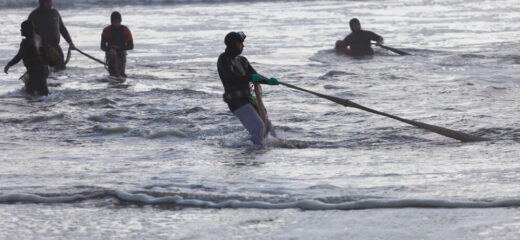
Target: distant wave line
x: 34, y: 3
x: 306, y: 204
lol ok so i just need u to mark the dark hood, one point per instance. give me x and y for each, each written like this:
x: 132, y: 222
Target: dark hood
x: 352, y: 22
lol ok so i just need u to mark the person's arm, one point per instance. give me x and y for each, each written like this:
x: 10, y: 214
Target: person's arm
x: 249, y: 68
x: 104, y: 39
x: 129, y: 41
x: 64, y: 32
x: 15, y: 59
x: 377, y: 38
x: 104, y: 44
x: 257, y: 78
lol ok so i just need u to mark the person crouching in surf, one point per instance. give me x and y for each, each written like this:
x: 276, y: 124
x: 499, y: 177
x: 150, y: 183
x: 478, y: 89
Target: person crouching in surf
x: 31, y: 51
x: 358, y: 42
x: 116, y: 39
x: 236, y: 75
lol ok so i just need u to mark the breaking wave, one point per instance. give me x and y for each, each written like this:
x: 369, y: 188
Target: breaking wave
x: 304, y: 204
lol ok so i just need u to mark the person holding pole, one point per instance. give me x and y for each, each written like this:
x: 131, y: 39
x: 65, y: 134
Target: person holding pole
x: 116, y: 39
x: 358, y: 42
x: 236, y: 75
x: 49, y: 25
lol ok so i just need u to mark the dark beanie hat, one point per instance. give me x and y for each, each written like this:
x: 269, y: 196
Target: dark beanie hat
x: 41, y: 2
x: 233, y: 37
x: 116, y: 15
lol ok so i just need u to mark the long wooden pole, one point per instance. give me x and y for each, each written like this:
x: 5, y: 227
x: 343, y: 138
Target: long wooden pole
x: 464, y: 137
x: 93, y: 58
x: 394, y: 50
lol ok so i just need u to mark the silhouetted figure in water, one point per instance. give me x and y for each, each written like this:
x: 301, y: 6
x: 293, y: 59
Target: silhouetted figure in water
x: 31, y: 51
x: 116, y: 39
x: 358, y: 42
x: 49, y: 25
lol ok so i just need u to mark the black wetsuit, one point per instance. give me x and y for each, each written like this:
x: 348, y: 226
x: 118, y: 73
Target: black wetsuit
x: 235, y: 73
x: 38, y: 70
x: 359, y: 42
x: 119, y: 37
x: 49, y: 26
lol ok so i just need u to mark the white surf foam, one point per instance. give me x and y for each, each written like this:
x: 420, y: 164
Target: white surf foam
x: 305, y: 204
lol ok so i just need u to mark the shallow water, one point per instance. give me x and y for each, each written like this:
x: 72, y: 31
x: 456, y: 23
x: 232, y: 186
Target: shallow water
x: 162, y: 156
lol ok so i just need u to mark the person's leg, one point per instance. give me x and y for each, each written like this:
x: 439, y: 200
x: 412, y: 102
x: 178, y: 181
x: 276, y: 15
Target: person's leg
x: 60, y: 64
x: 112, y: 64
x: 252, y: 122
x: 37, y: 80
x: 45, y: 74
x: 117, y: 68
x: 28, y: 86
x: 123, y: 64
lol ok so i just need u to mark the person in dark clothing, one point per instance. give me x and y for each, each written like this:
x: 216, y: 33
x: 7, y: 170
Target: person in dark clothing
x: 116, y: 39
x: 49, y: 25
x: 236, y: 75
x: 31, y: 51
x: 358, y: 42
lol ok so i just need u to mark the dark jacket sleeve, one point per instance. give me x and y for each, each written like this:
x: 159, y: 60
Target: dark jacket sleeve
x: 225, y: 71
x: 63, y: 30
x: 250, y: 69
x: 375, y: 37
x: 18, y: 56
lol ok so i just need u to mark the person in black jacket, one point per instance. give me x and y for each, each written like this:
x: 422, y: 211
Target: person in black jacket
x: 358, y: 42
x: 116, y: 39
x: 49, y: 25
x: 31, y: 51
x: 236, y: 75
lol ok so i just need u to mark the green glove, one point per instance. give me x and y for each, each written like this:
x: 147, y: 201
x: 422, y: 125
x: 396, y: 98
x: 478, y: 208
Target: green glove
x: 255, y: 78
x: 273, y: 81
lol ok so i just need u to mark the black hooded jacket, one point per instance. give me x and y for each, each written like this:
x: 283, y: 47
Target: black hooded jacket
x: 48, y: 25
x: 359, y: 42
x: 235, y: 73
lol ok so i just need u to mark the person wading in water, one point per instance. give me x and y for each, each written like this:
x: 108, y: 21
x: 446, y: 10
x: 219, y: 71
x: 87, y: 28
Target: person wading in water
x: 31, y: 51
x: 116, y: 39
x: 236, y: 75
x: 49, y: 25
x: 358, y: 42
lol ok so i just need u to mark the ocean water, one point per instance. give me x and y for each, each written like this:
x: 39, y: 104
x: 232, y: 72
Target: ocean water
x: 161, y: 156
